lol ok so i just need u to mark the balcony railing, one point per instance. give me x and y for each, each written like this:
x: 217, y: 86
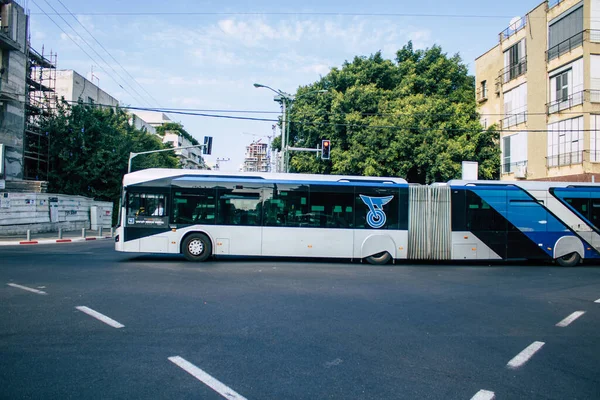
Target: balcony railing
x: 513, y: 71
x: 570, y: 101
x: 564, y: 159
x: 513, y: 28
x: 482, y: 94
x: 515, y: 167
x: 516, y: 117
x: 554, y: 3
x: 588, y: 35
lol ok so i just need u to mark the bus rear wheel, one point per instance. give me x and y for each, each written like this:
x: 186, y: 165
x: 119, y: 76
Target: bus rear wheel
x: 569, y: 260
x: 197, y: 247
x: 380, y: 258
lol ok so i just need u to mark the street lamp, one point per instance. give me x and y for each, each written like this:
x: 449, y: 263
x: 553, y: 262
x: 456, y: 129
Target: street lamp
x: 284, y: 98
x: 133, y: 155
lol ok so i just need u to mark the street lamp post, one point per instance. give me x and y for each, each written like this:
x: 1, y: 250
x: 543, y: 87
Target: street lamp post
x: 284, y: 98
x: 132, y: 155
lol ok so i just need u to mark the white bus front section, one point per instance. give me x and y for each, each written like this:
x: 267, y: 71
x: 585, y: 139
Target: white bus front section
x: 276, y: 241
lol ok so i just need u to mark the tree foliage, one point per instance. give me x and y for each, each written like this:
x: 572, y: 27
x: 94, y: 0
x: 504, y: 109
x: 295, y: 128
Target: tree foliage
x: 414, y: 117
x: 89, y: 151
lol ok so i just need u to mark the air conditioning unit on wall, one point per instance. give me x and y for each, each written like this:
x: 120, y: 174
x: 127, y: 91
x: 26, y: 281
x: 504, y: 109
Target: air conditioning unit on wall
x: 521, y: 171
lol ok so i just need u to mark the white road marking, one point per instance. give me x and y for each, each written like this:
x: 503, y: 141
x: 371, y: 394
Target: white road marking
x: 570, y: 318
x: 26, y: 288
x: 484, y: 395
x: 101, y: 317
x: 205, y: 378
x: 597, y: 301
x: 525, y: 355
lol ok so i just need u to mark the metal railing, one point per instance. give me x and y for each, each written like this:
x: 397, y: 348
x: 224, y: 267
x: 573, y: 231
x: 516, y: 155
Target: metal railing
x: 570, y: 101
x: 514, y: 118
x: 513, y: 28
x: 513, y: 71
x: 482, y: 94
x: 560, y: 160
x: 589, y: 35
x: 554, y: 3
x: 508, y: 168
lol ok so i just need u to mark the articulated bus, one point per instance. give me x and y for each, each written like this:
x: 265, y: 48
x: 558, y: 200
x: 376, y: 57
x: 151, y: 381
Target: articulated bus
x: 204, y: 214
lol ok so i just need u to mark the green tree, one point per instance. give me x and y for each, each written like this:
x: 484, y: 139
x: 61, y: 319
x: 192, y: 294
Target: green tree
x: 413, y: 117
x: 89, y: 151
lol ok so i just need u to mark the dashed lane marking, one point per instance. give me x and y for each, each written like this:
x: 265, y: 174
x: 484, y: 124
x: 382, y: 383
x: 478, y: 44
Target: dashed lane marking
x: 597, y: 301
x: 525, y: 355
x: 570, y: 318
x: 484, y: 395
x: 27, y: 288
x: 205, y: 378
x: 100, y: 317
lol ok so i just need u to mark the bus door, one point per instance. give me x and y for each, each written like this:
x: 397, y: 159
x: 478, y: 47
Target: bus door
x: 238, y: 230
x: 147, y: 220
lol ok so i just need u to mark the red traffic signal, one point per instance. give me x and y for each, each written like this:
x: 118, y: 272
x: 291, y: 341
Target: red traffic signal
x: 326, y: 147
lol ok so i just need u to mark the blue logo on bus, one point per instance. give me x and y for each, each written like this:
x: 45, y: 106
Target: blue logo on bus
x: 376, y: 215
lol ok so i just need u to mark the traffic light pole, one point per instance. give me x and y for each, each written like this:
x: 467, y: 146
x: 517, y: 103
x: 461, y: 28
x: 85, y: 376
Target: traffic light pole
x: 317, y: 150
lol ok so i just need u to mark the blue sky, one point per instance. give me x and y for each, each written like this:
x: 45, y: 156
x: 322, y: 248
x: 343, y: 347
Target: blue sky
x: 211, y: 61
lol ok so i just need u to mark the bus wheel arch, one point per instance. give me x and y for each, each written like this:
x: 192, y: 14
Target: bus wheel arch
x: 196, y: 246
x: 378, y: 249
x: 568, y: 251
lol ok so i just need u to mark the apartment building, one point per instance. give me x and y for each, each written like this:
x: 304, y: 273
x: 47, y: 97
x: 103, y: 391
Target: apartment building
x: 540, y: 85
x: 74, y: 87
x: 13, y: 60
x: 257, y: 158
x: 190, y: 158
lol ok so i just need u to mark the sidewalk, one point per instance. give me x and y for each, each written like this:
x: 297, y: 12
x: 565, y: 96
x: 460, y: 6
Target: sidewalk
x: 53, y: 238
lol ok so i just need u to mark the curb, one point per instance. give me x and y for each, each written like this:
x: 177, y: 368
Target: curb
x: 53, y: 241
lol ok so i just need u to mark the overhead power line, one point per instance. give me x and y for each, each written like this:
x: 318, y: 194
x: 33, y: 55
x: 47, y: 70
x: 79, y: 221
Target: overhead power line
x: 85, y: 52
x: 107, y: 52
x: 347, y: 125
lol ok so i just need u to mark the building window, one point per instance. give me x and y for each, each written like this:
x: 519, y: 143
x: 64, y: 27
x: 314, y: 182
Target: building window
x: 515, y: 62
x: 566, y: 87
x: 565, y: 33
x: 514, y: 152
x: 565, y: 142
x: 594, y: 138
x: 484, y: 89
x: 515, y: 106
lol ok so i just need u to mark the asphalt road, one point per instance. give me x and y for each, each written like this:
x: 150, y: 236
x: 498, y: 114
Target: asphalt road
x: 291, y: 330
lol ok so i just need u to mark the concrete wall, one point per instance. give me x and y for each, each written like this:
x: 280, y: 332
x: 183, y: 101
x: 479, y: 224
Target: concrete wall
x: 12, y: 88
x: 22, y: 211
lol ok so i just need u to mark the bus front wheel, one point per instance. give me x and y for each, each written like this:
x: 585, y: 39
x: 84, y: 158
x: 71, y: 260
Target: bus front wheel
x: 569, y: 260
x: 197, y: 247
x: 379, y: 259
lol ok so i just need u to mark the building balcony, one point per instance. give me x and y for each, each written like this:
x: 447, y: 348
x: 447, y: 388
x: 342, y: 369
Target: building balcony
x: 6, y: 40
x: 565, y: 159
x: 482, y: 95
x: 518, y: 168
x: 592, y: 95
x: 512, y: 71
x: 570, y: 101
x: 566, y: 46
x: 513, y: 28
x: 516, y: 117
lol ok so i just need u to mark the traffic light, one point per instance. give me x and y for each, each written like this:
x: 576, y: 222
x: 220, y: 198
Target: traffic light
x: 207, y: 149
x: 326, y: 147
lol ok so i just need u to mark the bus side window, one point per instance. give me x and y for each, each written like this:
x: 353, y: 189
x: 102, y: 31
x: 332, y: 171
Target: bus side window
x: 331, y: 206
x: 146, y: 205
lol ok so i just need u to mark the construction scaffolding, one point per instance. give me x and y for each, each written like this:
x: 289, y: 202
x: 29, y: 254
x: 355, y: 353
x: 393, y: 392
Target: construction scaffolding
x: 41, y: 102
